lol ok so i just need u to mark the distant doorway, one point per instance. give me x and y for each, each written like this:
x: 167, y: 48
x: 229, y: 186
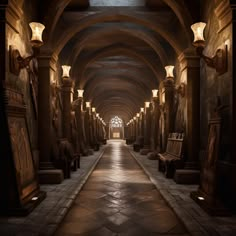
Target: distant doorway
x: 116, y: 128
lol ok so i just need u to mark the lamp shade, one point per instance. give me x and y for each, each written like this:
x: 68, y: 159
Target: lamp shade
x: 65, y: 71
x: 88, y: 104
x: 80, y: 93
x: 142, y: 109
x: 154, y: 93
x: 93, y: 109
x: 147, y: 104
x: 198, y: 30
x: 37, y: 32
x: 169, y: 71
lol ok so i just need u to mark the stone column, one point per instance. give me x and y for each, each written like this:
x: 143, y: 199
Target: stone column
x: 67, y: 92
x: 155, y: 114
x: 167, y: 89
x: 47, y: 173
x: 147, y: 131
x: 76, y: 105
x: 190, y: 68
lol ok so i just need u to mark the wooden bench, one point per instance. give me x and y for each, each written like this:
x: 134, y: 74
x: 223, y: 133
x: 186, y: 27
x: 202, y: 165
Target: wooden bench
x: 172, y: 158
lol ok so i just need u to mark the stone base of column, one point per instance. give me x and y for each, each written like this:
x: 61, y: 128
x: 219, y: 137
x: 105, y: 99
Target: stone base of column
x: 54, y: 176
x: 187, y: 176
x: 152, y: 155
x: 145, y: 150
x: 49, y: 175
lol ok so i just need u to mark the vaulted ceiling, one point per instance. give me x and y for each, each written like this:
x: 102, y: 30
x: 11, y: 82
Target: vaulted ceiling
x: 118, y: 49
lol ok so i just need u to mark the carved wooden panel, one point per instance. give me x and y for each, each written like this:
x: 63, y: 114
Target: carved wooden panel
x: 23, y: 159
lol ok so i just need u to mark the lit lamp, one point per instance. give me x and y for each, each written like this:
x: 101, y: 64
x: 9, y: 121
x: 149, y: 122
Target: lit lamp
x: 65, y: 71
x: 80, y: 93
x: 137, y: 115
x: 134, y: 118
x: 155, y: 93
x: 17, y: 62
x: 219, y: 60
x: 88, y: 104
x: 93, y: 109
x: 169, y: 72
x: 147, y: 104
x: 141, y: 109
x: 97, y: 115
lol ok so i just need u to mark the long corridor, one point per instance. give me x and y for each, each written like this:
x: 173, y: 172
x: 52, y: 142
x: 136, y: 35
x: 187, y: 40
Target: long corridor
x: 119, y: 199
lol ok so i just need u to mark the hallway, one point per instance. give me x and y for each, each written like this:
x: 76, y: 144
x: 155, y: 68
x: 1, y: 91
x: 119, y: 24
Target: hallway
x: 119, y: 199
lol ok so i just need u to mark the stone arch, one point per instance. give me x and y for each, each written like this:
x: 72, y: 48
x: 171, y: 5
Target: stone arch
x: 145, y: 37
x: 111, y: 51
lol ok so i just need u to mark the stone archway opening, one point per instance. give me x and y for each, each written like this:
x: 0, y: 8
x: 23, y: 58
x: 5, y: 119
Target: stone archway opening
x: 116, y: 128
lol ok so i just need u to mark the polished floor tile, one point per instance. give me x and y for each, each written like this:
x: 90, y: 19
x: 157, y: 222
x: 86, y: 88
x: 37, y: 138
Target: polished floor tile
x: 119, y: 199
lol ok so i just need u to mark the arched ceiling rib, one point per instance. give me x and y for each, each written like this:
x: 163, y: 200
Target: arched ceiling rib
x: 114, y: 51
x: 107, y: 32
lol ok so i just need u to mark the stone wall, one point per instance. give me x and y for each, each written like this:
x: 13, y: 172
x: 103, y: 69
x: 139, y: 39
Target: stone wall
x: 19, y: 37
x: 212, y: 84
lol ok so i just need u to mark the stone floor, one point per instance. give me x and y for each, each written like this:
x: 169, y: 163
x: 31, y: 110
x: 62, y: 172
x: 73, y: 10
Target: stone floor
x: 119, y: 199
x: 125, y: 212
x: 197, y: 221
x: 45, y: 218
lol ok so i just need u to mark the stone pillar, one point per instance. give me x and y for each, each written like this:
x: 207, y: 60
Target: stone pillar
x: 167, y: 90
x: 190, y: 69
x: 76, y: 106
x: 147, y: 127
x: 47, y: 173
x: 155, y: 114
x: 67, y: 93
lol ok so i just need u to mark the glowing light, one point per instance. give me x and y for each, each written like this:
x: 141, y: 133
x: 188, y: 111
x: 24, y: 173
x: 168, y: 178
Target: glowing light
x: 169, y: 71
x: 147, y: 104
x: 93, y: 109
x: 154, y: 93
x: 88, y: 104
x: 66, y: 71
x: 37, y: 32
x: 198, y: 30
x: 80, y: 93
x: 201, y: 198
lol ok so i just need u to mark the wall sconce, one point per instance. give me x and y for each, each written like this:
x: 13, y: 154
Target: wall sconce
x: 180, y: 89
x: 155, y: 93
x: 88, y: 104
x: 16, y: 61
x: 169, y: 72
x: 80, y: 93
x: 141, y: 109
x: 219, y: 60
x: 65, y: 71
x: 93, y: 109
x: 137, y: 115
x: 97, y: 115
x: 147, y: 104
x: 134, y: 118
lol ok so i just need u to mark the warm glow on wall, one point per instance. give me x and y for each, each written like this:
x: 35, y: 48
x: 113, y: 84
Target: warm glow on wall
x: 80, y: 93
x: 65, y: 71
x: 198, y: 30
x: 169, y: 71
x: 37, y: 32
